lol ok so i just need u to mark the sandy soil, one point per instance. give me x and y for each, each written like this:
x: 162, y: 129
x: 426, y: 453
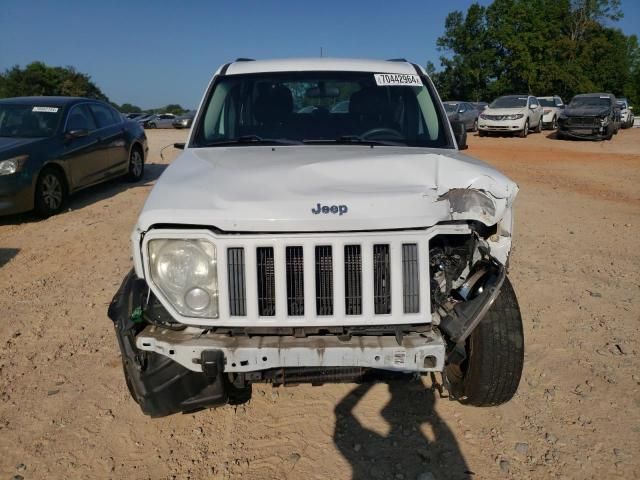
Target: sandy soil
x: 65, y: 411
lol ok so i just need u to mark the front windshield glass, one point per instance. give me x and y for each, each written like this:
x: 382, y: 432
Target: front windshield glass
x: 594, y: 101
x: 451, y: 107
x: 546, y: 102
x: 319, y: 107
x: 510, y: 101
x: 28, y: 121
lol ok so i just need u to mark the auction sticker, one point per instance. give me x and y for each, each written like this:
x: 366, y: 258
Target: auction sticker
x: 45, y: 109
x: 397, y: 80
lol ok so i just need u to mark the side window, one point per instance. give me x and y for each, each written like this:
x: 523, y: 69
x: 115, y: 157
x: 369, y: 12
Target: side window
x: 117, y: 116
x: 102, y: 114
x: 80, y: 118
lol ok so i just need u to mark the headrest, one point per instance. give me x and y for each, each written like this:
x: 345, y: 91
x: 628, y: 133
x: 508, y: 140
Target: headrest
x: 273, y: 103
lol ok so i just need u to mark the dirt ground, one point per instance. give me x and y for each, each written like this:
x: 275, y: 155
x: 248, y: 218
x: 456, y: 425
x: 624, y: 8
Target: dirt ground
x: 65, y: 411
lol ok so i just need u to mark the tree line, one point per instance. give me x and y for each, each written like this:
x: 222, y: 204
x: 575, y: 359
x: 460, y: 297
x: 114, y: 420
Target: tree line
x: 539, y: 47
x: 37, y: 78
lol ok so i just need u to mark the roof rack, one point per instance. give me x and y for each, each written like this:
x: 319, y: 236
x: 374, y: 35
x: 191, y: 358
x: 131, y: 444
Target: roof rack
x: 397, y: 60
x: 242, y: 59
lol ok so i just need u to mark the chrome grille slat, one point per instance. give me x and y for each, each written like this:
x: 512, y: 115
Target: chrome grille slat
x: 324, y: 280
x: 295, y: 280
x: 353, y: 279
x: 266, y: 282
x: 410, y: 278
x: 237, y: 284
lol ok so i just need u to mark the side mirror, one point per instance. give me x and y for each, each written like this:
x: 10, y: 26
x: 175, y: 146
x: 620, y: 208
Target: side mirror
x: 460, y: 133
x: 78, y: 133
x: 179, y: 145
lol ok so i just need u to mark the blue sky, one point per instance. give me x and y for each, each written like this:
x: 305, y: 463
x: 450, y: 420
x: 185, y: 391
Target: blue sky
x: 158, y: 52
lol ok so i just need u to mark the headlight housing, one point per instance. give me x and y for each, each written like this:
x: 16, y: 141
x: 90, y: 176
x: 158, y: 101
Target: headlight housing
x: 604, y: 121
x: 515, y: 116
x: 186, y: 272
x: 12, y: 165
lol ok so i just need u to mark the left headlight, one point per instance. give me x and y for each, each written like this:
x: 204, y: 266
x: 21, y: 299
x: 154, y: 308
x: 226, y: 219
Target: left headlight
x: 516, y: 116
x: 186, y: 271
x: 12, y: 165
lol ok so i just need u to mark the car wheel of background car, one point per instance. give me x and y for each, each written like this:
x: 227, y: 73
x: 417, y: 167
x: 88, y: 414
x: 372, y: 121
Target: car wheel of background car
x: 151, y: 125
x: 136, y: 165
x: 554, y: 123
x: 495, y: 355
x: 525, y: 131
x: 50, y: 193
x: 539, y: 127
x: 475, y: 126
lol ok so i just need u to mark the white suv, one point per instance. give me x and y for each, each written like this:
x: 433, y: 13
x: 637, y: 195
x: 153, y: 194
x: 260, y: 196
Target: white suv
x: 511, y: 114
x: 290, y: 244
x: 552, y: 107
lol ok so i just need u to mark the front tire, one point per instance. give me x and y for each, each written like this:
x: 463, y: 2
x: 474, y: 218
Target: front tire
x: 475, y: 126
x: 491, y: 372
x: 525, y: 130
x: 554, y: 123
x: 136, y: 165
x: 50, y: 193
x: 539, y: 127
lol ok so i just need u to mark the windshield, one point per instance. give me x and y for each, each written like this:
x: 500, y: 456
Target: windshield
x: 319, y: 107
x: 28, y: 121
x: 510, y: 101
x: 451, y: 107
x: 546, y: 102
x: 590, y: 102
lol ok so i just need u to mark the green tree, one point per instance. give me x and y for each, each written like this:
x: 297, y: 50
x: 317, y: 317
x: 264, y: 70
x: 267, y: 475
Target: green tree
x: 174, y: 108
x: 129, y: 108
x: 40, y: 79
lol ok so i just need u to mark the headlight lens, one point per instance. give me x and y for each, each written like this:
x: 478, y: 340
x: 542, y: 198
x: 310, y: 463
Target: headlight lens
x: 186, y: 273
x: 12, y: 165
x: 604, y: 121
x: 463, y: 200
x: 516, y: 116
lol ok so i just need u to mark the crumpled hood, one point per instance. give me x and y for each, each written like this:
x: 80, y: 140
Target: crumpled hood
x: 269, y: 189
x: 587, y: 111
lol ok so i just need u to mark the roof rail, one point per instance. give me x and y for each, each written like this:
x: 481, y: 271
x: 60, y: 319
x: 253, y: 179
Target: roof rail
x: 242, y: 59
x: 397, y: 60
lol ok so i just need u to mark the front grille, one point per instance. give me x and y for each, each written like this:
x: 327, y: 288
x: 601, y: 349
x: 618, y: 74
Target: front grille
x: 381, y: 279
x: 266, y: 282
x: 295, y: 281
x: 324, y: 280
x: 353, y: 279
x: 327, y: 279
x: 237, y: 293
x: 586, y: 121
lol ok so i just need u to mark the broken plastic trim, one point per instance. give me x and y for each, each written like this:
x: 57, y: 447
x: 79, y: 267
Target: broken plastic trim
x: 466, y: 316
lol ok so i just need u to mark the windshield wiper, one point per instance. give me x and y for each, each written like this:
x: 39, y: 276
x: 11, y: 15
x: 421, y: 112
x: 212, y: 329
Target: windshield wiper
x: 252, y: 140
x: 354, y: 139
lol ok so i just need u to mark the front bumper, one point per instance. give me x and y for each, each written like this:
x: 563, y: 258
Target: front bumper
x: 585, y: 132
x: 501, y: 125
x: 16, y: 194
x: 416, y: 352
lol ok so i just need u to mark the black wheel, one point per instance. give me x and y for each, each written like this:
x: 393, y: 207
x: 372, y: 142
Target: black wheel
x: 151, y: 125
x: 539, y: 127
x: 525, y: 131
x: 50, y: 193
x: 491, y: 372
x: 482, y: 133
x: 610, y: 132
x: 554, y: 123
x: 136, y: 165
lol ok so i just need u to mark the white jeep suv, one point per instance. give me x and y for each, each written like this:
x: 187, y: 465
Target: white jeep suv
x: 552, y: 108
x: 511, y: 114
x: 289, y: 244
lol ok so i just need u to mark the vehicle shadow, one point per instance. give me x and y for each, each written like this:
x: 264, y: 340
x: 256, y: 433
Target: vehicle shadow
x: 6, y: 254
x: 406, y: 450
x: 94, y: 194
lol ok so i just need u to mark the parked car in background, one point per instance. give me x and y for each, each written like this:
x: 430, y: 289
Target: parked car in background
x: 161, y: 120
x: 626, y: 112
x: 590, y: 116
x: 51, y: 147
x: 183, y: 121
x: 512, y: 114
x: 551, y: 109
x: 462, y: 112
x: 133, y: 116
x: 480, y: 106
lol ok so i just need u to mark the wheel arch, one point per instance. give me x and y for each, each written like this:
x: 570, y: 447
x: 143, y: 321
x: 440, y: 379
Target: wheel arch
x: 58, y: 168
